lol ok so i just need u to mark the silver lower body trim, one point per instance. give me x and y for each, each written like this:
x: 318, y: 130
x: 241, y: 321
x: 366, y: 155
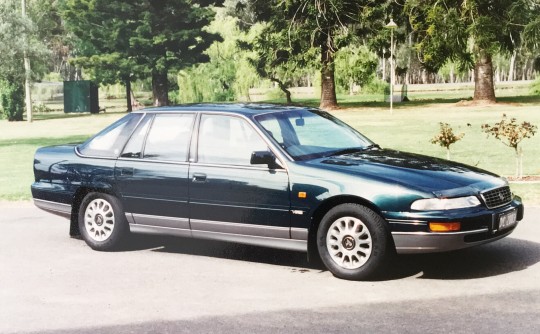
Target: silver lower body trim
x: 288, y: 244
x: 158, y: 230
x: 60, y: 209
x: 243, y: 229
x: 426, y: 242
x: 160, y: 221
x: 249, y: 234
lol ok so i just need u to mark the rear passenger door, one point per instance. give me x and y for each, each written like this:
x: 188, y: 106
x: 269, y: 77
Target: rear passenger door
x: 228, y: 195
x: 152, y: 172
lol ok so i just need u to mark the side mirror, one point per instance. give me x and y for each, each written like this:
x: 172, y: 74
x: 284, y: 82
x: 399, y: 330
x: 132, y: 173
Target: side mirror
x: 263, y: 158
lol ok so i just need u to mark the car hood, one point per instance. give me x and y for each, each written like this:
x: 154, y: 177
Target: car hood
x: 440, y: 177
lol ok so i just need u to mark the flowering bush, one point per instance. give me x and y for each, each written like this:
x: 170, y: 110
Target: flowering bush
x: 510, y: 133
x: 446, y: 137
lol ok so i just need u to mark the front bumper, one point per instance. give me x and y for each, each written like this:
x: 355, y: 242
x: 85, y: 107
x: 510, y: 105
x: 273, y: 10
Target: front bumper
x: 411, y: 233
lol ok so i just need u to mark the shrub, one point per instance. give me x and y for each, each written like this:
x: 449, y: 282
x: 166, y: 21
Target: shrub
x: 12, y: 100
x: 376, y: 86
x: 535, y: 87
x: 510, y: 133
x: 446, y: 137
x: 41, y: 108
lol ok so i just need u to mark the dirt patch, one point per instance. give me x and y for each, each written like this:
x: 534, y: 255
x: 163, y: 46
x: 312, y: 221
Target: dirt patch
x: 525, y: 178
x: 472, y: 103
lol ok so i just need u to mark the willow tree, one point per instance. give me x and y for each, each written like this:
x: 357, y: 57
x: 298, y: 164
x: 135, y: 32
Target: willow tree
x: 470, y: 32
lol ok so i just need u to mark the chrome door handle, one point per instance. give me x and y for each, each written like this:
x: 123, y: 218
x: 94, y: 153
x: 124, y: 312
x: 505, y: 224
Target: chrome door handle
x: 199, y: 177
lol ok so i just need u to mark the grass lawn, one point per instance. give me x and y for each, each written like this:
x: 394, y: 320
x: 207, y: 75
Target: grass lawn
x: 409, y: 128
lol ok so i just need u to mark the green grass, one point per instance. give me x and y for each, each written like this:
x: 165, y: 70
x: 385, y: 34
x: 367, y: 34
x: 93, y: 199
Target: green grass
x: 409, y: 128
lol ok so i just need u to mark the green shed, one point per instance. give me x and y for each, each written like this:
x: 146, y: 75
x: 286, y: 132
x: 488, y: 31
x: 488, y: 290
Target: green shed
x: 81, y: 96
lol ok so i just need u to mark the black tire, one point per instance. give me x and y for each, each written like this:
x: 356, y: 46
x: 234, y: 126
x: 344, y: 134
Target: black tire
x: 353, y: 242
x: 102, y: 222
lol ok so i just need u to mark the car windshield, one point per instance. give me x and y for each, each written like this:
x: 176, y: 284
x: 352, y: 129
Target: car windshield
x: 309, y: 134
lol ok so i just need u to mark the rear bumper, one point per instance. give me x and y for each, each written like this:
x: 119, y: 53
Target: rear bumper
x: 60, y: 209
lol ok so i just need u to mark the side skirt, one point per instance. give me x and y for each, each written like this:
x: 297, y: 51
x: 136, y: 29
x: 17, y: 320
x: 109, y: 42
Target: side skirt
x: 272, y: 237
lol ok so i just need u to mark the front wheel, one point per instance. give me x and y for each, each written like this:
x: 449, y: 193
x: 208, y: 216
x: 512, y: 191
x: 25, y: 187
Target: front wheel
x: 101, y: 221
x: 353, y: 242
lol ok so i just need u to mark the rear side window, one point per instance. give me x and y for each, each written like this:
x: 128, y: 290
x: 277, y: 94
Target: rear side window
x: 109, y: 142
x: 169, y: 137
x: 134, y: 146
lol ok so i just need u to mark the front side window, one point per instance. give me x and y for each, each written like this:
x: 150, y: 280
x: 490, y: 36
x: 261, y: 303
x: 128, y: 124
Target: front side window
x: 227, y: 140
x: 307, y: 134
x: 109, y: 142
x: 169, y: 137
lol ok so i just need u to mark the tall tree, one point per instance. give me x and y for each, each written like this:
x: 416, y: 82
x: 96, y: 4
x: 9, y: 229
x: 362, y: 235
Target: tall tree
x: 18, y: 36
x: 322, y: 24
x: 51, y: 31
x: 141, y: 37
x: 471, y: 32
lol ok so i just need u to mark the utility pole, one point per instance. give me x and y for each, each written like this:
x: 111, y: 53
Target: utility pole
x: 391, y: 25
x: 27, y: 70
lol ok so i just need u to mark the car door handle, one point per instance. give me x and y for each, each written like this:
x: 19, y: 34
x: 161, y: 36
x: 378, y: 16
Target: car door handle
x: 199, y: 177
x: 126, y: 171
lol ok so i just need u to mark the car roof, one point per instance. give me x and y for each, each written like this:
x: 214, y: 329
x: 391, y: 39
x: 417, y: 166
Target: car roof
x: 236, y: 108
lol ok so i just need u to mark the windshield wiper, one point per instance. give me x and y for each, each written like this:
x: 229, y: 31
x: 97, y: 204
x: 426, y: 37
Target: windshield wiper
x: 353, y: 150
x: 346, y: 151
x: 372, y: 146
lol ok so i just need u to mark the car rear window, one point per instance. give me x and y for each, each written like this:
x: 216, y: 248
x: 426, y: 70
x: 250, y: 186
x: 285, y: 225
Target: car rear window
x: 109, y: 142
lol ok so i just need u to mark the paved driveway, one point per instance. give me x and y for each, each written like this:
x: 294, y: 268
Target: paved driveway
x: 50, y: 282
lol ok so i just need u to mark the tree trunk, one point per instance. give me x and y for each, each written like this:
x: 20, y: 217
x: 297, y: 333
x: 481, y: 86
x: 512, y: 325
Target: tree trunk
x: 283, y: 88
x: 484, y: 89
x: 383, y: 67
x: 328, y: 86
x: 160, y: 89
x: 27, y: 71
x: 128, y: 94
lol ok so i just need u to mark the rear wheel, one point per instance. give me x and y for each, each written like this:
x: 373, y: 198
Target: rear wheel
x: 353, y: 242
x: 101, y: 221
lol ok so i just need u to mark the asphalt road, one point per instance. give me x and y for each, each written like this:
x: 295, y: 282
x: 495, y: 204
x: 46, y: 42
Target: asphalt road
x: 52, y: 283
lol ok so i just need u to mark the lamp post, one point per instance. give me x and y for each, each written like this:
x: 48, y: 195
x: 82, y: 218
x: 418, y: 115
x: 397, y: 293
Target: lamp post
x: 391, y: 25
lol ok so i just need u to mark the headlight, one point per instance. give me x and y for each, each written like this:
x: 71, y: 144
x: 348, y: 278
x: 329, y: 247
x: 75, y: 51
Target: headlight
x: 445, y: 203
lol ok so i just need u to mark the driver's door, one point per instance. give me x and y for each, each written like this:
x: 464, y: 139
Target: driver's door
x: 227, y: 194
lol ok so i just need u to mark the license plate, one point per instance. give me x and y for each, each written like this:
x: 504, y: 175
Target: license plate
x: 507, y: 220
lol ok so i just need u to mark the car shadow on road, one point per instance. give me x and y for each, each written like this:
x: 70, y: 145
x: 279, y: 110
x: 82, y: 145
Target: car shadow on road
x: 504, y: 256
x: 223, y: 250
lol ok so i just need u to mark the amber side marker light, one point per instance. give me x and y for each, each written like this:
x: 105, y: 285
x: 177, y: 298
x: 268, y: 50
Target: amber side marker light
x: 444, y: 227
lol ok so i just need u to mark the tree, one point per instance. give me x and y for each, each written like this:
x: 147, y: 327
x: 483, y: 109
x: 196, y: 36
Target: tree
x: 446, y: 137
x: 471, y: 32
x: 17, y: 38
x: 325, y: 25
x: 227, y: 76
x: 511, y: 133
x: 51, y: 31
x: 277, y: 58
x: 141, y: 37
x: 354, y: 65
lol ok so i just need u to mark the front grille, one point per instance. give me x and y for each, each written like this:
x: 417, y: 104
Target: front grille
x: 497, y: 197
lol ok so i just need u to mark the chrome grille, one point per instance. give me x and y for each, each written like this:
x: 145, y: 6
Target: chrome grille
x: 497, y: 197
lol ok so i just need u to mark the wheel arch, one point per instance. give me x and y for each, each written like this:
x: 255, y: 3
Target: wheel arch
x: 326, y: 206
